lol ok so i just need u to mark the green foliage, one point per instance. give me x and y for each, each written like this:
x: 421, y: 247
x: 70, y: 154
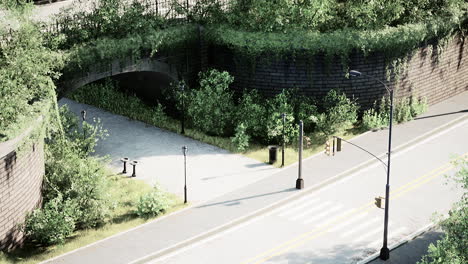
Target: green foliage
x: 84, y: 21
x: 251, y: 112
x: 211, y: 107
x: 107, y: 96
x: 405, y: 110
x: 51, y: 224
x: 453, y: 247
x: 339, y: 113
x: 27, y: 71
x: 134, y: 46
x: 372, y: 119
x: 393, y: 42
x: 330, y: 15
x: 241, y: 138
x: 277, y: 106
x: 153, y: 203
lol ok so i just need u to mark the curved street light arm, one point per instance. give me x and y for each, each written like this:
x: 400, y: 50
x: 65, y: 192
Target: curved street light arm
x: 363, y: 149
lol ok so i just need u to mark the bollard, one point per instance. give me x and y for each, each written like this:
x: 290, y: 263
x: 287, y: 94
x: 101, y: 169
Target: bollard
x: 124, y: 160
x: 134, y: 163
x: 333, y: 146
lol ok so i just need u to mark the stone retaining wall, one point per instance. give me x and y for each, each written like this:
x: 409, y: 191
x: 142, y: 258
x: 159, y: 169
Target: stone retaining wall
x: 21, y: 177
x: 435, y: 77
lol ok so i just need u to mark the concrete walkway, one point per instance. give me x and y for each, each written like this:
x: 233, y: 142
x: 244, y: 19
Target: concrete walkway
x: 199, y: 222
x: 211, y: 171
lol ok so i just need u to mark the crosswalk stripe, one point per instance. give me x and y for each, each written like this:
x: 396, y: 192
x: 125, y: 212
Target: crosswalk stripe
x: 311, y: 210
x: 368, y: 234
x: 323, y: 214
x: 360, y: 227
x: 347, y: 223
x: 391, y: 236
x: 292, y: 209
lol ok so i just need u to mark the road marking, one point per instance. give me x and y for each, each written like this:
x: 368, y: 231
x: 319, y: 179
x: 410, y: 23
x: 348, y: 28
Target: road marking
x: 379, y: 229
x: 391, y: 236
x: 347, y: 223
x: 360, y: 227
x: 323, y: 214
x: 300, y: 206
x: 302, y: 239
x: 311, y: 210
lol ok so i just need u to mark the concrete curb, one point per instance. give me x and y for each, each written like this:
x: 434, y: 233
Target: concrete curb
x: 400, y: 243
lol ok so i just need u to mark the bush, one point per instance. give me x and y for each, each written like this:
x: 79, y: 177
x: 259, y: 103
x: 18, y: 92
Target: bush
x: 52, y: 224
x: 251, y: 112
x: 372, y: 119
x: 339, y: 113
x: 241, y: 138
x: 153, y: 203
x: 79, y: 179
x: 211, y: 107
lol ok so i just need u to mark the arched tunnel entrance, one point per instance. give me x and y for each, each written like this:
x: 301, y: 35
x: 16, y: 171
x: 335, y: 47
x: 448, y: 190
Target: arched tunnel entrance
x: 151, y: 87
x: 148, y: 86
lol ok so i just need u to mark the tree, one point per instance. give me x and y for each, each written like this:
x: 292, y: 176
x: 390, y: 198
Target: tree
x: 453, y: 247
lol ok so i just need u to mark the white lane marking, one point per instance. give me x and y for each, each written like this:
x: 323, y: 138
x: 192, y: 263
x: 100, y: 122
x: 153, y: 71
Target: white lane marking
x: 296, y: 208
x: 368, y: 234
x: 349, y: 222
x: 323, y: 214
x: 360, y: 227
x: 392, y: 235
x: 311, y: 210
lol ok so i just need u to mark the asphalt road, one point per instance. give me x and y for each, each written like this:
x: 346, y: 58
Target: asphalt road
x: 340, y: 223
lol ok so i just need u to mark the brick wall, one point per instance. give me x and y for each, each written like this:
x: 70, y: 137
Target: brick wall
x: 21, y: 178
x: 424, y: 76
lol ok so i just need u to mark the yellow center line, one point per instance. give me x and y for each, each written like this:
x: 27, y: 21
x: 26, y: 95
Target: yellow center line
x: 364, y: 208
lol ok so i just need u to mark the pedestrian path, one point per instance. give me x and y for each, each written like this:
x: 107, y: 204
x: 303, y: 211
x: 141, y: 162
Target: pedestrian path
x: 211, y: 171
x: 270, y: 193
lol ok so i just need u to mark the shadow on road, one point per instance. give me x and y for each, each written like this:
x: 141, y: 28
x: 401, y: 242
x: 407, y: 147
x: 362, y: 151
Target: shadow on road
x: 237, y: 201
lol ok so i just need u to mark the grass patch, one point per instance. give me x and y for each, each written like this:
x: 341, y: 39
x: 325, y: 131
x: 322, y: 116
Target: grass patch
x: 291, y: 154
x: 125, y: 192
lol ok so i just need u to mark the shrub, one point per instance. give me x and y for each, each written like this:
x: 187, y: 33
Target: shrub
x: 153, y: 203
x: 339, y: 113
x: 52, y: 224
x: 372, y: 119
x: 241, y: 138
x: 79, y: 179
x: 211, y: 107
x: 251, y: 112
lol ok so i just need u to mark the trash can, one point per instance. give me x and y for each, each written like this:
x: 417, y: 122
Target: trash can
x: 273, y: 150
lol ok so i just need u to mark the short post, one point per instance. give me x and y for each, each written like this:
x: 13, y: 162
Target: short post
x: 124, y: 160
x: 300, y: 181
x: 184, y: 151
x: 134, y: 163
x: 283, y: 115
x: 338, y: 144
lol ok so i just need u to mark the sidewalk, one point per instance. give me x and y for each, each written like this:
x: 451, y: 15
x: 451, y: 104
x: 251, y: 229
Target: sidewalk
x: 169, y: 233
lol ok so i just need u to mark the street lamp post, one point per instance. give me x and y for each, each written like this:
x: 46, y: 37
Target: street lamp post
x: 184, y: 151
x: 283, y: 116
x: 300, y: 181
x: 182, y: 88
x: 384, y: 252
